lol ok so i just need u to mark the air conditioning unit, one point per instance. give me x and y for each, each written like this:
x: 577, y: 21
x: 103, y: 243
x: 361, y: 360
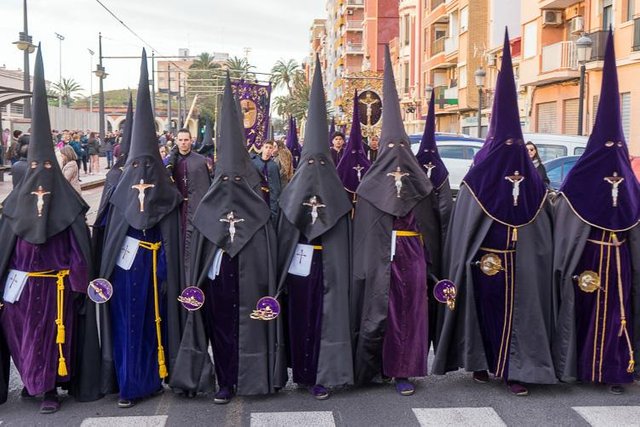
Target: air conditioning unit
x: 349, y: 12
x: 491, y: 59
x: 576, y: 25
x: 551, y: 17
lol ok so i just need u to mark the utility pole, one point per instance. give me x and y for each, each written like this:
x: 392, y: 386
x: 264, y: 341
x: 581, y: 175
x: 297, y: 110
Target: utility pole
x: 60, y: 38
x: 153, y: 82
x: 91, y: 80
x: 100, y: 72
x: 169, y: 97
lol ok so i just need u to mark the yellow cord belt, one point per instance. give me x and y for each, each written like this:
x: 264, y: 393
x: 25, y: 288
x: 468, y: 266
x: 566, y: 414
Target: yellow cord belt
x: 60, y: 336
x: 154, y: 248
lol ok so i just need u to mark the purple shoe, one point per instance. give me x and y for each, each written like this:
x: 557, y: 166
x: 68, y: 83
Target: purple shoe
x: 517, y: 388
x: 319, y: 392
x: 405, y: 387
x: 50, y: 403
x: 223, y: 396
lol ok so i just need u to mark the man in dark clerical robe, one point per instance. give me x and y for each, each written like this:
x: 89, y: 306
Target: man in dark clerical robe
x: 437, y: 173
x: 270, y: 176
x: 110, y: 184
x: 292, y: 142
x: 45, y: 266
x: 396, y: 238
x: 232, y: 229
x: 354, y: 163
x: 314, y: 260
x: 141, y: 251
x: 337, y: 147
x: 499, y: 255
x: 597, y: 253
x: 191, y: 175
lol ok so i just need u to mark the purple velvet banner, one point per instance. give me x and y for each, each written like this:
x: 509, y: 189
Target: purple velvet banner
x: 254, y: 99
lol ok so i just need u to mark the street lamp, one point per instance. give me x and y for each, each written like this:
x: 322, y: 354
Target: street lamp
x: 25, y: 44
x: 480, y: 76
x: 583, y: 48
x: 428, y: 90
x: 101, y: 73
x: 91, y: 80
x: 60, y: 38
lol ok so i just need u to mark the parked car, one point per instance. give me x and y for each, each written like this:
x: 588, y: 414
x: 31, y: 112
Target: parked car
x: 558, y: 168
x: 553, y: 146
x: 456, y: 151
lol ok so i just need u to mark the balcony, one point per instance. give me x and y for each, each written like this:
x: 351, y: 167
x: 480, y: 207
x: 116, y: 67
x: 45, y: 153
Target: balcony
x: 354, y: 48
x: 599, y: 39
x: 556, y: 4
x: 436, y: 3
x: 636, y: 34
x: 437, y: 46
x: 355, y: 3
x: 354, y: 25
x: 559, y: 63
x: 450, y: 45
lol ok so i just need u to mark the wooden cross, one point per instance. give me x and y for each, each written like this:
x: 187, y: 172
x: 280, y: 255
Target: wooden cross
x: 615, y: 181
x: 40, y: 193
x: 142, y: 187
x: 314, y: 205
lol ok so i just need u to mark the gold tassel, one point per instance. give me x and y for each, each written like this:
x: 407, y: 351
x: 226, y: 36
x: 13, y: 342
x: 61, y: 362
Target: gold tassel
x: 514, y: 235
x: 62, y: 367
x: 60, y: 338
x: 632, y: 365
x: 161, y: 363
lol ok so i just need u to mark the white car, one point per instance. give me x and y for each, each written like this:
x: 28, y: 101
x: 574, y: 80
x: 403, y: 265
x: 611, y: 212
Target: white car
x: 457, y: 153
x: 552, y: 146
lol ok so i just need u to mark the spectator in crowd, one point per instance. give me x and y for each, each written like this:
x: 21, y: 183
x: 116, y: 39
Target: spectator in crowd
x: 70, y: 167
x: 19, y: 168
x: 371, y: 148
x: 537, y: 162
x: 270, y: 174
x: 163, y: 153
x: 93, y: 149
x: 4, y: 144
x: 337, y: 144
x: 284, y: 160
x: 74, y: 142
x: 12, y: 151
x: 84, y: 141
x: 109, y: 143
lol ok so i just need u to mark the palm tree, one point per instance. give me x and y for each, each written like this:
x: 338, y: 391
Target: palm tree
x: 240, y: 68
x: 282, y: 73
x: 66, y: 90
x: 204, y: 62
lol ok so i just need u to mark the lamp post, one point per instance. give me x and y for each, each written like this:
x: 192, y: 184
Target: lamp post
x: 101, y: 74
x: 91, y: 80
x: 25, y: 44
x: 480, y: 75
x: 583, y: 48
x: 60, y: 39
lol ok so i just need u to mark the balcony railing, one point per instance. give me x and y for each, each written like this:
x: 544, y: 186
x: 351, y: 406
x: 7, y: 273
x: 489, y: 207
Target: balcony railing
x: 436, y: 3
x: 450, y: 45
x: 437, y: 46
x: 354, y: 25
x: 354, y: 48
x: 559, y: 56
x: 355, y: 2
x: 636, y: 34
x: 599, y: 40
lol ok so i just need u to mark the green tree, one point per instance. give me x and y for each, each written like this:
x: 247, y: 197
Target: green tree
x: 284, y: 73
x: 67, y: 89
x: 240, y: 68
x: 206, y: 79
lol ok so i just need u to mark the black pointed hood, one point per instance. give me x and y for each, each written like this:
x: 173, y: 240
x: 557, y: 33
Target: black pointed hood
x: 44, y: 203
x: 353, y: 163
x: 144, y: 173
x: 125, y: 143
x: 207, y: 148
x: 428, y: 155
x: 316, y: 175
x: 396, y: 162
x: 235, y: 187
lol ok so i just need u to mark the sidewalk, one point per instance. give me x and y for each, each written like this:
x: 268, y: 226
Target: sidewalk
x: 86, y: 181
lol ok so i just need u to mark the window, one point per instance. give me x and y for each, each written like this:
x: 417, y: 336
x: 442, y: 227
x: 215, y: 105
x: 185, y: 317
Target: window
x: 631, y: 9
x: 464, y: 19
x: 548, y: 152
x: 530, y: 39
x: 579, y: 150
x: 452, y: 152
x: 607, y: 14
x: 462, y: 75
x: 625, y: 110
x: 407, y: 30
x: 405, y: 68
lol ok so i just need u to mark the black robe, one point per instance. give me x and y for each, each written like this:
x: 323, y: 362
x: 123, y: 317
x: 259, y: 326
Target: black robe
x: 371, y: 276
x: 460, y: 344
x: 569, y: 244
x: 335, y: 365
x: 84, y: 385
x: 175, y: 316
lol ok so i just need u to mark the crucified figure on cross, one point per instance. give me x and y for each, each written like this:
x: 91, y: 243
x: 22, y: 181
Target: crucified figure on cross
x: 516, y: 179
x: 231, y: 219
x: 358, y: 170
x: 314, y: 204
x: 615, y: 181
x: 429, y: 167
x: 142, y: 187
x: 369, y: 101
x: 40, y: 193
x: 397, y: 176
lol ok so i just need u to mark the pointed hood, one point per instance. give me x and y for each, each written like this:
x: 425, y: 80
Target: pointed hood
x: 332, y: 130
x: 44, y: 203
x: 235, y: 189
x: 292, y: 142
x: 316, y: 174
x: 125, y: 143
x: 395, y: 182
x: 353, y: 163
x: 144, y: 194
x: 428, y: 155
x: 604, y: 166
x: 207, y: 148
x: 507, y: 168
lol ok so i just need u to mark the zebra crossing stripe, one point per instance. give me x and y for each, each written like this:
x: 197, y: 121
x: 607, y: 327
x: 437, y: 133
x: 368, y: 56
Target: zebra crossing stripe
x: 146, y: 421
x: 607, y: 416
x: 481, y: 417
x: 285, y: 419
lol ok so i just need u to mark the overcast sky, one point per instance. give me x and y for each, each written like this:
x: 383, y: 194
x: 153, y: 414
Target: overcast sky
x: 273, y: 29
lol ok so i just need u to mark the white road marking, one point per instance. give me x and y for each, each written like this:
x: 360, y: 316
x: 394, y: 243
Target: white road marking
x: 481, y: 417
x: 619, y: 416
x: 285, y: 419
x: 148, y: 421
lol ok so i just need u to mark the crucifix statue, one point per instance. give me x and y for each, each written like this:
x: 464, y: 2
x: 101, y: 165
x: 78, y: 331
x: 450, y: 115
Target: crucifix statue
x: 397, y: 176
x: 142, y: 187
x: 40, y: 193
x: 615, y: 181
x: 314, y: 205
x: 231, y: 220
x: 516, y: 179
x: 358, y: 170
x: 369, y: 101
x: 429, y: 167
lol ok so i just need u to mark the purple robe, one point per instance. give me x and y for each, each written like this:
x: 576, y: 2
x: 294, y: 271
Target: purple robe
x: 404, y: 346
x: 603, y: 353
x: 305, y: 304
x: 29, y: 325
x: 135, y: 343
x: 336, y: 155
x: 222, y: 318
x: 494, y: 297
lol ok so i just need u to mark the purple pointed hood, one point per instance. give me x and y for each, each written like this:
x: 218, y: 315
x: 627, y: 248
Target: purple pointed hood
x: 292, y: 142
x: 601, y: 188
x: 354, y: 163
x: 505, y: 183
x: 428, y: 155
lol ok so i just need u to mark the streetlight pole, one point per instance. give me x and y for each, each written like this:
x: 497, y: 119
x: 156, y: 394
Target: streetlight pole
x: 583, y: 47
x: 60, y: 38
x: 91, y: 80
x: 101, y: 74
x: 153, y: 82
x: 480, y: 75
x: 169, y: 97
x: 25, y: 45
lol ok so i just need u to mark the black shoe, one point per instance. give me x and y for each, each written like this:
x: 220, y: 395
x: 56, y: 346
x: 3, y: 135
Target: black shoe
x: 481, y: 377
x: 223, y: 396
x: 25, y: 394
x: 616, y: 389
x: 125, y: 403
